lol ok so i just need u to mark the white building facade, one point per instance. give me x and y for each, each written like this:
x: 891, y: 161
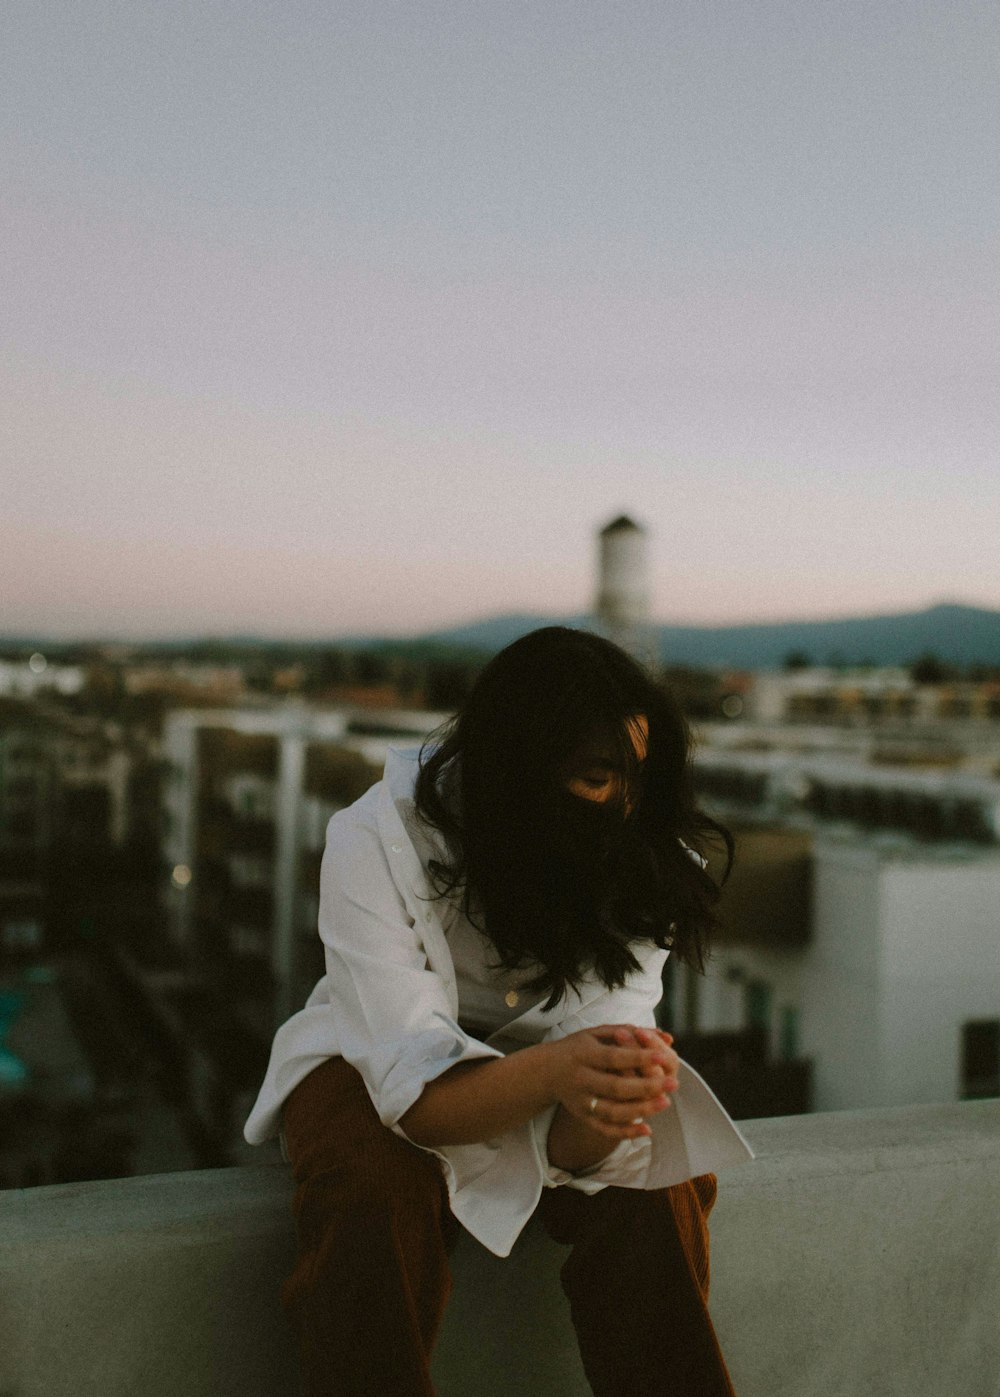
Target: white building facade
x: 904, y: 960
x: 893, y: 993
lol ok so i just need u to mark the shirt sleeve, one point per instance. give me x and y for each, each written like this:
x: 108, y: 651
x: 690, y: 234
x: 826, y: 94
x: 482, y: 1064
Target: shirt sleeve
x: 394, y: 1018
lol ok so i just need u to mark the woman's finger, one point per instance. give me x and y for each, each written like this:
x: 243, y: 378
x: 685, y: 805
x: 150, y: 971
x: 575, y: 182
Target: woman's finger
x: 616, y: 1111
x: 606, y: 1058
x: 632, y: 1088
x: 632, y: 1130
x: 623, y: 1113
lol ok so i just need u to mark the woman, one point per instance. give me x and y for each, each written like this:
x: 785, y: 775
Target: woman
x: 496, y: 915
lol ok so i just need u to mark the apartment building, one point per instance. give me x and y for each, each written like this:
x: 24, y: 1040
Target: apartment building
x: 247, y: 798
x: 862, y: 696
x: 26, y: 679
x: 27, y: 779
x: 862, y: 925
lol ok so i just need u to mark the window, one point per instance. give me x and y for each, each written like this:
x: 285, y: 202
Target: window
x: 248, y: 941
x: 758, y: 1004
x: 980, y: 1059
x: 24, y: 934
x: 788, y: 1045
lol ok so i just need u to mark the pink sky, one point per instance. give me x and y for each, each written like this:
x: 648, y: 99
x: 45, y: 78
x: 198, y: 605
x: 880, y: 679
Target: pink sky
x: 321, y: 322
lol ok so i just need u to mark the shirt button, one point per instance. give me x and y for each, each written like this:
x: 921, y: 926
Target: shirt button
x: 397, y: 848
x: 511, y: 998
x: 428, y: 916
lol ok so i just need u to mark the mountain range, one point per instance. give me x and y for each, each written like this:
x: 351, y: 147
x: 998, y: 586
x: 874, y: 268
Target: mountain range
x: 953, y: 633
x: 956, y: 634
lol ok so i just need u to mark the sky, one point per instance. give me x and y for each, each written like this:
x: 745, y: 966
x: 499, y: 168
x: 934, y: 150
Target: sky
x: 321, y: 319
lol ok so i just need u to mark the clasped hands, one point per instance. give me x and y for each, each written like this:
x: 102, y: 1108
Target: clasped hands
x: 614, y: 1077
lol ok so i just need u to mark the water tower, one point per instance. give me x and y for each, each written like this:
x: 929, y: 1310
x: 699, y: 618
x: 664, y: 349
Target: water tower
x: 622, y: 607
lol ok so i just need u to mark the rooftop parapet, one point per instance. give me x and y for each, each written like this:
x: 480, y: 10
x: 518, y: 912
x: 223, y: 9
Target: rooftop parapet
x: 858, y: 1257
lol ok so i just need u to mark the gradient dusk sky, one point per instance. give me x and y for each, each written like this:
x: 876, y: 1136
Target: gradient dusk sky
x: 333, y: 317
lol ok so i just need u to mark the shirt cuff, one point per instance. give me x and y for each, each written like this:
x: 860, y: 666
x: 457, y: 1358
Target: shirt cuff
x: 421, y: 1059
x: 627, y: 1165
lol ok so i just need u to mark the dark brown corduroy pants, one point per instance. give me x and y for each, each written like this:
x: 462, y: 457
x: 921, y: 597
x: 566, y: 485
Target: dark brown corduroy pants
x: 371, y: 1282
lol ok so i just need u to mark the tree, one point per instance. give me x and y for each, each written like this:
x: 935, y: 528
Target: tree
x: 449, y: 683
x: 326, y: 671
x: 929, y: 669
x: 370, y: 668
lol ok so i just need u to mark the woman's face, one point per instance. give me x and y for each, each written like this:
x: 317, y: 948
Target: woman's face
x: 594, y: 771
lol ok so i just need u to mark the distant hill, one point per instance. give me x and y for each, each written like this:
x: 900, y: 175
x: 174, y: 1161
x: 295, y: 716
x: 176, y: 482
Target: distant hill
x: 960, y: 635
x: 495, y: 632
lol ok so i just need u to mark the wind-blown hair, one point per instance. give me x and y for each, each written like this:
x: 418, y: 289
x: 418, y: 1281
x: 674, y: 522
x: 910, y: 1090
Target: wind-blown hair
x: 561, y: 885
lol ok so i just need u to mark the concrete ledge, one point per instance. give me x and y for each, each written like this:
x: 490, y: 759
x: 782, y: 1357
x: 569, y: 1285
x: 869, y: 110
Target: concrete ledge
x: 858, y: 1257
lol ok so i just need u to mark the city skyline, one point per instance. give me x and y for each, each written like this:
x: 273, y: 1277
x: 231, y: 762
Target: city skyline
x: 323, y: 323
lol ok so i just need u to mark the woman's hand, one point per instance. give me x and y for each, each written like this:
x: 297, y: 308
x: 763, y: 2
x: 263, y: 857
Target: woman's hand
x: 626, y: 1073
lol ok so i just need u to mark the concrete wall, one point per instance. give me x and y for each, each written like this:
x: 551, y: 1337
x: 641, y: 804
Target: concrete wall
x: 940, y: 952
x: 858, y: 1257
x: 906, y: 949
x: 841, y: 991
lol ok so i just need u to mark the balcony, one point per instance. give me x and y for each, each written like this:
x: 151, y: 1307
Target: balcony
x: 858, y: 1257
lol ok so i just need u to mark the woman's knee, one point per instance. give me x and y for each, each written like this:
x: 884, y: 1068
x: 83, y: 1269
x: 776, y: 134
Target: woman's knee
x: 360, y: 1216
x: 386, y: 1185
x: 331, y: 1126
x: 354, y: 1176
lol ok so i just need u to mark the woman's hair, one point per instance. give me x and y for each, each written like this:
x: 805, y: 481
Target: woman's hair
x: 557, y: 883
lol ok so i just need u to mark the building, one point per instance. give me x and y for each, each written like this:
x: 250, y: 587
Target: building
x: 248, y: 795
x: 872, y: 697
x: 27, y: 678
x: 862, y: 925
x: 75, y: 794
x: 27, y: 782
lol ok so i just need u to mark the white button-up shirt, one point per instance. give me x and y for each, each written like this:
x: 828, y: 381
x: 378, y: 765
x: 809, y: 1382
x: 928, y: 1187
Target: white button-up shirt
x: 407, y: 990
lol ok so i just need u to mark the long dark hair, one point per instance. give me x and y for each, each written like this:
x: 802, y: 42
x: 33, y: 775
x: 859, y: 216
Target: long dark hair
x: 559, y: 884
